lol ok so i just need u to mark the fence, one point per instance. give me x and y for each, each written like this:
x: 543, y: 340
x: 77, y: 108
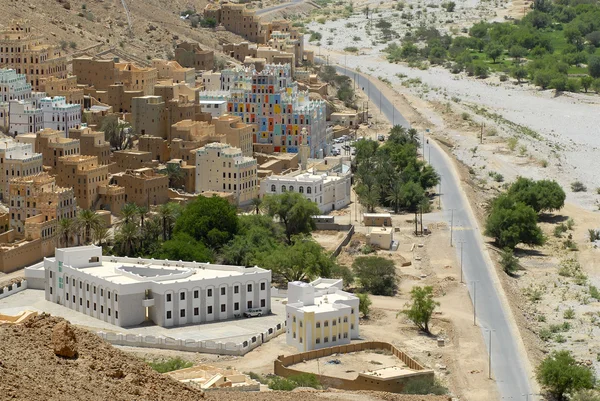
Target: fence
x: 344, y: 242
x: 13, y: 288
x: 207, y: 347
x: 364, y: 381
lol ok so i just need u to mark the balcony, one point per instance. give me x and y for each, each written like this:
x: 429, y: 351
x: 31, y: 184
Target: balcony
x: 146, y: 303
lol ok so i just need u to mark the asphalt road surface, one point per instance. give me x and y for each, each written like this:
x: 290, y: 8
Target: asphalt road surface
x: 507, y: 361
x: 267, y: 10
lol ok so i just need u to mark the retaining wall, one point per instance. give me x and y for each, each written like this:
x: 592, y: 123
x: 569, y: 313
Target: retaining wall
x: 344, y: 242
x: 13, y: 289
x: 207, y: 347
x: 363, y: 381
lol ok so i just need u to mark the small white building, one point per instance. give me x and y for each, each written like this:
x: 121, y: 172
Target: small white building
x: 330, y: 191
x: 24, y: 117
x: 13, y: 86
x: 319, y: 315
x: 60, y: 115
x: 17, y: 160
x: 130, y: 291
x: 216, y: 107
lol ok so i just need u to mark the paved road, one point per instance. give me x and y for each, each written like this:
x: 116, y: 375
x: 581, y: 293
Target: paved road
x: 507, y: 359
x: 267, y: 10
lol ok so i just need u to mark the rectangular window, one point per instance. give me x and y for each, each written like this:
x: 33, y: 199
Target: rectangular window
x: 196, y: 311
x: 94, y: 306
x: 262, y: 286
x: 333, y: 323
x: 223, y: 308
x: 263, y: 303
x: 209, y: 292
x: 50, y: 274
x: 116, y: 314
x: 294, y: 319
x: 168, y: 314
x: 210, y: 310
x: 108, y: 311
x: 168, y: 297
x: 345, y: 335
x: 101, y: 292
x: 196, y: 294
x: 326, y: 323
x: 67, y: 297
x: 67, y: 280
x: 101, y: 308
x: 94, y: 289
x: 182, y: 313
x: 108, y: 294
x: 326, y: 339
x: 182, y: 296
x: 80, y: 285
x: 318, y: 325
x: 352, y: 326
x: 249, y: 304
x: 352, y: 311
x: 222, y: 290
x: 318, y: 341
x: 87, y: 287
x: 116, y: 297
x: 87, y: 304
x: 80, y: 301
x: 50, y: 290
x: 236, y: 289
x: 249, y: 287
x: 236, y: 306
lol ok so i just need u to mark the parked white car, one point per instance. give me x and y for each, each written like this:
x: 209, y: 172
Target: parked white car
x: 253, y: 312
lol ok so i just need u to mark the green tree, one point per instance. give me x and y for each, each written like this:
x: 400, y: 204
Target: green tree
x: 258, y: 236
x: 294, y: 211
x: 594, y: 66
x: 142, y: 212
x: 66, y: 229
x: 117, y: 133
x: 175, y: 174
x: 519, y: 73
x: 509, y: 262
x: 396, y: 196
x: 304, y: 259
x: 126, y: 239
x: 586, y: 82
x: 560, y: 374
x: 364, y: 305
x: 542, y: 196
x: 542, y: 78
x: 412, y: 195
x: 168, y: 214
x: 368, y: 196
x: 257, y: 204
x: 377, y: 275
x: 596, y: 85
x: 517, y: 53
x: 511, y: 222
x: 184, y: 247
x: 129, y: 213
x: 421, y: 307
x: 494, y: 50
x: 212, y: 221
x: 88, y: 221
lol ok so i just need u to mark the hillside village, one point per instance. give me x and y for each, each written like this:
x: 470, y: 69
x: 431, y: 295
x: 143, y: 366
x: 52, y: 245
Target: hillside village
x: 198, y: 200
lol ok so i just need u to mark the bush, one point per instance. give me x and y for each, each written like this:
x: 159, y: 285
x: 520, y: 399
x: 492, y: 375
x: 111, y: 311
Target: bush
x: 569, y: 313
x: 559, y: 230
x: 449, y: 6
x: 424, y: 387
x: 560, y: 374
x: 510, y: 264
x: 421, y: 307
x: 377, y: 275
x: 169, y: 365
x: 364, y: 305
x: 545, y: 334
x: 290, y: 383
x: 351, y: 49
x: 594, y: 235
x: 586, y: 395
x: 578, y: 186
x: 594, y: 293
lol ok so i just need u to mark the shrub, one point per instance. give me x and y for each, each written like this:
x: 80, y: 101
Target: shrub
x: 570, y: 223
x: 594, y: 293
x: 559, y: 230
x: 510, y: 264
x: 569, y: 313
x: 169, y: 365
x: 594, y: 235
x: 424, y: 387
x: 512, y: 143
x: 364, y: 305
x: 290, y: 383
x: 560, y: 373
x: 351, y: 49
x: 545, y: 334
x: 578, y: 186
x: 421, y: 307
x: 72, y: 45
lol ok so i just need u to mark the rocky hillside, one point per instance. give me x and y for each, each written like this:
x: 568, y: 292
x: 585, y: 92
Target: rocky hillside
x: 95, y: 26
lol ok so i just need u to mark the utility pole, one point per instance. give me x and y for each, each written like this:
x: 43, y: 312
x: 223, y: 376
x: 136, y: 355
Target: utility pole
x: 416, y: 221
x: 421, y: 210
x: 490, y: 356
x: 451, y: 225
x: 440, y: 194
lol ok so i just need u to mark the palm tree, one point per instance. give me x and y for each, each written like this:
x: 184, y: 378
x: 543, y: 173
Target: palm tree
x: 101, y: 235
x: 395, y: 196
x: 127, y: 236
x: 66, y: 229
x: 168, y: 214
x: 257, y: 203
x: 175, y: 175
x: 129, y: 212
x: 368, y: 197
x: 88, y: 220
x: 142, y: 212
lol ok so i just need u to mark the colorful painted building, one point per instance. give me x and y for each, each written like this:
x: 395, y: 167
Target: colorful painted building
x: 270, y: 99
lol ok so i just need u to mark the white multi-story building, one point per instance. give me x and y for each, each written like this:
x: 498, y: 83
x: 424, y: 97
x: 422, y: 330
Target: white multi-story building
x: 60, y: 115
x: 223, y: 168
x: 216, y: 107
x: 13, y: 86
x: 24, y: 117
x: 130, y: 291
x: 330, y: 191
x: 17, y: 160
x: 320, y: 315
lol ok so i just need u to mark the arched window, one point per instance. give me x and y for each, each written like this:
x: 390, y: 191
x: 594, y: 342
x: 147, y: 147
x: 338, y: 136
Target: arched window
x: 283, y: 188
x: 308, y: 190
x: 301, y: 189
x: 273, y: 188
x: 291, y: 188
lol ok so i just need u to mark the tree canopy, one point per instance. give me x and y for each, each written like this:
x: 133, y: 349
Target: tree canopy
x: 560, y: 374
x: 212, y: 221
x: 377, y: 275
x: 421, y: 307
x: 543, y: 195
x: 294, y: 211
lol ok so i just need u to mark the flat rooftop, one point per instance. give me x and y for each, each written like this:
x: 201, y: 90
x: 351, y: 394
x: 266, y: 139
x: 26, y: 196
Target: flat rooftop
x: 389, y: 372
x: 325, y: 303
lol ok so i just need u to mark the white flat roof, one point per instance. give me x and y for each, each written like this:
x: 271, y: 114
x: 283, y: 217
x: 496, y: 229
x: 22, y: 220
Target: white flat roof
x: 377, y: 215
x: 321, y: 306
x: 213, y: 101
